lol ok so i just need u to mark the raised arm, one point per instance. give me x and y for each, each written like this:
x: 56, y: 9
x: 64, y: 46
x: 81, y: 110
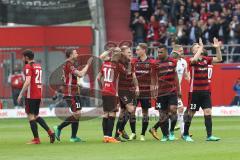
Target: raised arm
x: 217, y: 45
x: 84, y: 70
x: 199, y: 52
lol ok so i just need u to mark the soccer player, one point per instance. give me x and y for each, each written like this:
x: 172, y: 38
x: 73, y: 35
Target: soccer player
x: 108, y: 80
x: 143, y: 70
x: 199, y: 88
x: 71, y: 95
x: 167, y: 97
x: 127, y: 85
x: 182, y: 71
x: 32, y: 89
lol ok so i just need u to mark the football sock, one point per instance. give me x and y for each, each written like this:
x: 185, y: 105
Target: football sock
x: 208, y: 124
x: 110, y: 125
x: 173, y: 122
x: 145, y: 122
x: 34, y: 128
x: 181, y: 122
x: 186, y: 127
x: 125, y: 120
x: 119, y: 123
x: 43, y: 124
x: 165, y: 127
x: 74, y: 126
x: 133, y: 123
x: 66, y: 122
x: 156, y: 126
x: 104, y: 126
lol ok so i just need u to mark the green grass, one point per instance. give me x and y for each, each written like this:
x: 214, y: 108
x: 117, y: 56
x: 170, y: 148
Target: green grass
x: 14, y: 133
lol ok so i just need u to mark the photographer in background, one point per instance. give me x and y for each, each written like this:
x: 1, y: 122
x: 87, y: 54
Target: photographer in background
x: 137, y: 26
x: 236, y: 88
x: 16, y: 80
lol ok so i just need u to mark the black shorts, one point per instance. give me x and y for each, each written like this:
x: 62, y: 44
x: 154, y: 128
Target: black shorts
x: 145, y: 102
x: 73, y: 102
x: 110, y: 103
x: 125, y: 98
x: 164, y: 102
x: 32, y: 106
x: 199, y: 99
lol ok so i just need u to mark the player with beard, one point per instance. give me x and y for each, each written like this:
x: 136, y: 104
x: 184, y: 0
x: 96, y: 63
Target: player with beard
x: 167, y: 97
x: 127, y: 85
x: 200, y: 95
x: 32, y: 89
x: 143, y: 69
x: 108, y: 79
x: 71, y: 95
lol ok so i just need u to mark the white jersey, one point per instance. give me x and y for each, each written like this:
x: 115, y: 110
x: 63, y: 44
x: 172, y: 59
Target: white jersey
x: 181, y: 68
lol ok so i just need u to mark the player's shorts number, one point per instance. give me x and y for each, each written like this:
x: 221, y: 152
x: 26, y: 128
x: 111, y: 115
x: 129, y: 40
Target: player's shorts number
x: 159, y: 106
x: 78, y: 105
x: 193, y: 106
x: 108, y: 74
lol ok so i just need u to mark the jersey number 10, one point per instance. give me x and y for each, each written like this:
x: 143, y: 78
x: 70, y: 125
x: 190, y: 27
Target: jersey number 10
x: 108, y: 74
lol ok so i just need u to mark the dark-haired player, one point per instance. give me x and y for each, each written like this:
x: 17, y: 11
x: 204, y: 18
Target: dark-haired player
x: 108, y: 80
x: 200, y: 95
x: 71, y: 95
x: 167, y: 97
x: 143, y: 70
x: 32, y: 89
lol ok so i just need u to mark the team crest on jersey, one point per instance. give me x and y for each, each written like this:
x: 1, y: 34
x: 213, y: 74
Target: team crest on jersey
x: 147, y: 65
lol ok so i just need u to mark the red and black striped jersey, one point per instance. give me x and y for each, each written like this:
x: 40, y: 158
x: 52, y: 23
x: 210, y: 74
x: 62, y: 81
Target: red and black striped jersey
x: 70, y: 79
x: 143, y: 71
x: 165, y: 71
x: 199, y: 80
x: 126, y: 81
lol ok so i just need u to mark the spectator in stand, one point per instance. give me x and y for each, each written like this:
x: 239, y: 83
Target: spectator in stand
x: 223, y: 29
x: 138, y: 29
x: 211, y: 31
x: 233, y: 39
x: 204, y: 15
x: 134, y: 7
x: 183, y: 14
x: 236, y: 88
x: 145, y: 8
x: 153, y: 30
x: 214, y: 6
x: 16, y: 80
x: 171, y: 30
x: 213, y: 19
x: 194, y: 32
x: 162, y: 31
x: 182, y: 32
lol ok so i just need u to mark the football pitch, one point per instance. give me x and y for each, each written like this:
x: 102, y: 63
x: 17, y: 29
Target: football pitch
x: 14, y: 133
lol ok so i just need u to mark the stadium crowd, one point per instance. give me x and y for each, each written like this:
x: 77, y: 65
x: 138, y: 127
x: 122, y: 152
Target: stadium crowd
x: 184, y: 21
